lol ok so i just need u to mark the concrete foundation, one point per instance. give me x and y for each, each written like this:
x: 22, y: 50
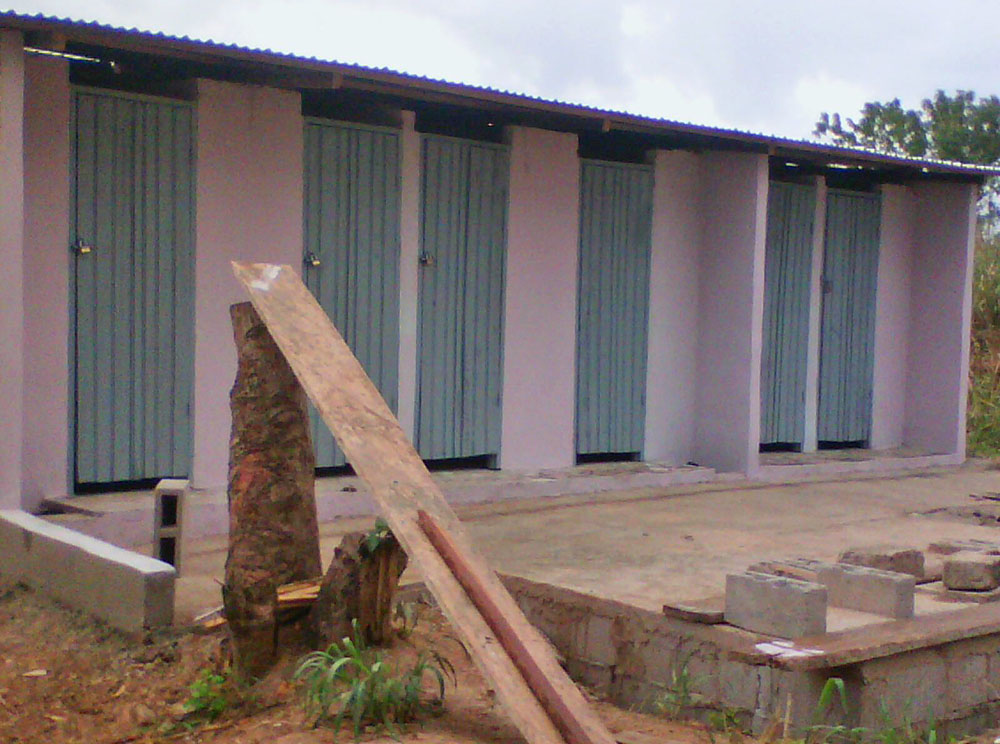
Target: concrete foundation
x: 127, y: 590
x: 634, y: 656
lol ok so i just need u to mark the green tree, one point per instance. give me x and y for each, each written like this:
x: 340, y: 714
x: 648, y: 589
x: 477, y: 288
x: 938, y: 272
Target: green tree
x: 958, y: 127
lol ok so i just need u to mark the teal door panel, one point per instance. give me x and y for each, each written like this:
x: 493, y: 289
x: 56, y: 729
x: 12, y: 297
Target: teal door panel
x: 132, y: 287
x: 613, y: 307
x: 352, y: 250
x: 463, y: 244
x: 787, y: 279
x: 847, y: 337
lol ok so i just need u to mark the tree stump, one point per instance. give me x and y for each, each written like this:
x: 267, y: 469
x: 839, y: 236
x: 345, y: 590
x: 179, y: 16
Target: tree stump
x: 273, y: 531
x: 359, y: 584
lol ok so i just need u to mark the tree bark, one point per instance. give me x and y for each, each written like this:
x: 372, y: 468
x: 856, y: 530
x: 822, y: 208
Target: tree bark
x: 273, y: 531
x: 359, y: 585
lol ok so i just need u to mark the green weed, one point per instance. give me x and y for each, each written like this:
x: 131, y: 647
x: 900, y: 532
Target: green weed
x: 208, y: 698
x: 678, y: 695
x: 888, y: 732
x: 983, y: 421
x: 350, y: 681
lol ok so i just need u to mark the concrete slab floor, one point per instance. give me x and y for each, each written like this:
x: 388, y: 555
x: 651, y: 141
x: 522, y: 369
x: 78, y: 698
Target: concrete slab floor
x: 649, y: 546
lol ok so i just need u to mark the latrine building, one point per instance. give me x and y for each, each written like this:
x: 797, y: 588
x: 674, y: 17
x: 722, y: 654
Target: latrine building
x: 529, y: 283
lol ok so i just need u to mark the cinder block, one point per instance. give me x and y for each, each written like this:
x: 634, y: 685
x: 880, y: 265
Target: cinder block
x: 168, y: 520
x: 868, y: 589
x: 787, y: 608
x: 951, y: 546
x: 125, y: 589
x: 600, y: 646
x: 967, y: 676
x: 887, y: 558
x: 910, y: 686
x: 972, y: 571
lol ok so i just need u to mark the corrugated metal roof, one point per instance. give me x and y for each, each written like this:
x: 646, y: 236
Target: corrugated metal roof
x: 159, y: 42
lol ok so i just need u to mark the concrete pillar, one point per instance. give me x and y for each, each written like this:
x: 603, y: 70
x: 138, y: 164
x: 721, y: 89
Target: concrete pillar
x: 539, y: 381
x: 249, y: 208
x: 892, y: 317
x: 811, y: 407
x: 671, y: 374
x: 12, y: 315
x: 731, y: 311
x: 940, y: 316
x: 47, y: 101
x: 409, y: 271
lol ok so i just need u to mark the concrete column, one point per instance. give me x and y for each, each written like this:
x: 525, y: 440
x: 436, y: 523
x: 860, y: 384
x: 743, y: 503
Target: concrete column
x: 811, y: 408
x: 671, y: 375
x: 249, y: 208
x: 12, y: 315
x: 940, y: 316
x: 539, y: 381
x: 409, y: 271
x: 731, y: 311
x: 47, y: 102
x: 892, y: 317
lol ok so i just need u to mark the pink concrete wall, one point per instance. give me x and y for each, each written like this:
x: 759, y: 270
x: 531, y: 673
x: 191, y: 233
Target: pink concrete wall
x: 540, y: 314
x: 892, y: 318
x: 730, y: 311
x: 12, y: 259
x: 671, y: 375
x: 249, y: 208
x: 47, y: 259
x: 940, y: 312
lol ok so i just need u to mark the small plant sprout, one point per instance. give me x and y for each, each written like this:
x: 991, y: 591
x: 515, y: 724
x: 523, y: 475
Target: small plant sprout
x: 208, y: 698
x: 348, y: 680
x: 377, y: 535
x: 678, y: 694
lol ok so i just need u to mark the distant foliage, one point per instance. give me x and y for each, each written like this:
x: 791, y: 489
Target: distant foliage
x: 984, y: 373
x: 961, y: 128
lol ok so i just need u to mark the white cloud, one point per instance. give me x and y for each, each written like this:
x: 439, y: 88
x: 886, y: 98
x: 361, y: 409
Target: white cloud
x: 770, y: 67
x: 823, y: 91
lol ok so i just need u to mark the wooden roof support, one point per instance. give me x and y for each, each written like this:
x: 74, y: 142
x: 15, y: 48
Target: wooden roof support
x: 386, y: 461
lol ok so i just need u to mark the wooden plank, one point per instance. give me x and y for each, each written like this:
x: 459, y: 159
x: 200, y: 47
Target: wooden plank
x: 563, y: 716
x: 710, y: 611
x: 384, y: 459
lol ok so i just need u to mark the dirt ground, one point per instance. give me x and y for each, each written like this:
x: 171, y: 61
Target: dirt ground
x: 67, y: 678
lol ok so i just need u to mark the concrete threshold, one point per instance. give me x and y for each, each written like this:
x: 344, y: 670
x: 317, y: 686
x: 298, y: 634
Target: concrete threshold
x: 125, y: 589
x: 126, y: 519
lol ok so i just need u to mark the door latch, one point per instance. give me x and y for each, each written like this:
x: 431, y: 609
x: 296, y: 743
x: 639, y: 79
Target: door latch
x: 426, y: 259
x: 311, y: 259
x: 81, y: 249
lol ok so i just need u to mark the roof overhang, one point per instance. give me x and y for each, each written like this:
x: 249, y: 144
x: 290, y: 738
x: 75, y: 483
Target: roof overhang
x: 265, y: 67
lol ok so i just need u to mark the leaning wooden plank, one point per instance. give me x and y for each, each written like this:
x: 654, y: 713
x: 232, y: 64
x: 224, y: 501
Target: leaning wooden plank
x: 383, y: 457
x: 475, y: 586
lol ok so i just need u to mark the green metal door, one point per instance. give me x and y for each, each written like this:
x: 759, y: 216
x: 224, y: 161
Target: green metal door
x: 847, y: 336
x: 613, y: 307
x: 791, y: 212
x: 352, y: 250
x: 132, y: 287
x: 463, y: 243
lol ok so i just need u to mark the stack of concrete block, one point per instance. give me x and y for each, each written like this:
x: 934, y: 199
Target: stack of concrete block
x: 775, y: 605
x: 972, y: 571
x: 871, y: 590
x: 887, y: 558
x: 789, y: 599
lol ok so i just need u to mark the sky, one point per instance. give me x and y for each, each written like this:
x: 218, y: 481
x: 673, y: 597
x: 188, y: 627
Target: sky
x: 766, y: 66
